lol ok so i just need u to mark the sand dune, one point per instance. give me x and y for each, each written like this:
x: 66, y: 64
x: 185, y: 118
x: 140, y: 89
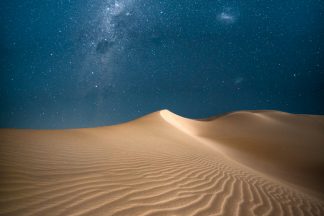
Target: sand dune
x: 241, y: 163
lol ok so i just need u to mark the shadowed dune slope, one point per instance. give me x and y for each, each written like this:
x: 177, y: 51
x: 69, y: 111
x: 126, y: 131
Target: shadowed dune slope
x: 241, y: 163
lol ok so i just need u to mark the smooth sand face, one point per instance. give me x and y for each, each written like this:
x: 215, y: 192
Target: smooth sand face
x: 242, y: 163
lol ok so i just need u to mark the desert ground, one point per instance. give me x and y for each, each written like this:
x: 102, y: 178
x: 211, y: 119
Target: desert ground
x: 239, y: 163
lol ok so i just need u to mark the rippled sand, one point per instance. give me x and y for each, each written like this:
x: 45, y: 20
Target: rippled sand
x: 241, y: 163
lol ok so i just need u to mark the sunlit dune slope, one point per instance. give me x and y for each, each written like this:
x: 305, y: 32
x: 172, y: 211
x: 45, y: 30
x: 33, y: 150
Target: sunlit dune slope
x: 241, y: 163
x: 288, y: 145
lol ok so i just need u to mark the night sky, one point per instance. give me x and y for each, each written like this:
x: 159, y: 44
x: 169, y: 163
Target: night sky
x: 72, y: 63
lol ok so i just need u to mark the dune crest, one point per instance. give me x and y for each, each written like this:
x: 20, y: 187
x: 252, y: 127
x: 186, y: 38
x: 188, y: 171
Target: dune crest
x: 184, y: 124
x: 241, y: 163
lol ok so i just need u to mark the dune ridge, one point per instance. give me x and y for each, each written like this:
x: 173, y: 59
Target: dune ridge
x: 241, y: 163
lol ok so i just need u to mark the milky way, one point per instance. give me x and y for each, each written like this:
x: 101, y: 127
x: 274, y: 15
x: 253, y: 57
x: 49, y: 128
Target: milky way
x: 106, y: 37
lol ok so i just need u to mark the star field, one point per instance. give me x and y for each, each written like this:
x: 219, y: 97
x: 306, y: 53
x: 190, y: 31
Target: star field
x: 88, y: 63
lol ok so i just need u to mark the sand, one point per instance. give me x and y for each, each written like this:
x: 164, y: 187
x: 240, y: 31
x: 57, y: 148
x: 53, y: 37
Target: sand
x: 240, y: 163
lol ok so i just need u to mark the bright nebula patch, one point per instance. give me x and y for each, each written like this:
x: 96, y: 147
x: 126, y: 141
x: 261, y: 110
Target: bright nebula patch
x: 228, y: 15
